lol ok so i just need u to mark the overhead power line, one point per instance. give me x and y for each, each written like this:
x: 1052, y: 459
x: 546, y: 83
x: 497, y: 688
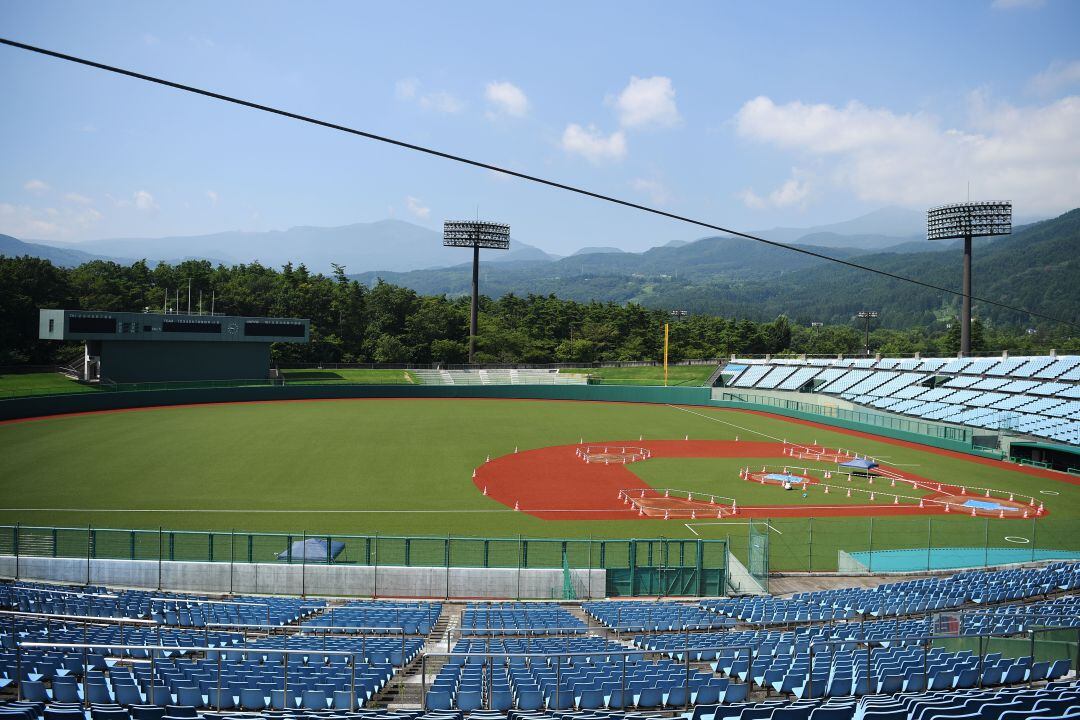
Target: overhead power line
x: 513, y: 173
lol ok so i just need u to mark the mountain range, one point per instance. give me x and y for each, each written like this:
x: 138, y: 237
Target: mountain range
x: 386, y: 244
x: 398, y: 246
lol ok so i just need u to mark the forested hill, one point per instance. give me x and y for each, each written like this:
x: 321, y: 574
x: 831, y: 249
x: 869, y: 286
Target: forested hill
x: 1037, y: 267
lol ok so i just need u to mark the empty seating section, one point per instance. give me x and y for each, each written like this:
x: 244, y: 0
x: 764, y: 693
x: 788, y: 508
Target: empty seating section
x: 903, y: 598
x: 493, y: 619
x: 372, y: 616
x: 567, y: 673
x: 1037, y: 396
x: 498, y: 377
x: 797, y: 379
x: 775, y: 376
x: 893, y: 651
x: 629, y: 616
x: 170, y: 609
x: 751, y: 376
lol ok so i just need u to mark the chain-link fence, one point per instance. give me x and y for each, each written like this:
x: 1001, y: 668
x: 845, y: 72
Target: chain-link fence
x: 657, y: 566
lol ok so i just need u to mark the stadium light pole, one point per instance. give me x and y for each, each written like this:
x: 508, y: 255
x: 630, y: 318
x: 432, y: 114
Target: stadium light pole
x: 968, y: 220
x: 475, y: 234
x: 867, y: 316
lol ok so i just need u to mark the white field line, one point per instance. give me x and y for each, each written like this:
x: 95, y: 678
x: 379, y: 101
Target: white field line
x: 736, y: 522
x: 725, y: 422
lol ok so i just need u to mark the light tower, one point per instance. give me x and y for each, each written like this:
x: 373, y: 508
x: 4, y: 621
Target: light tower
x: 867, y: 316
x: 475, y: 234
x: 968, y: 220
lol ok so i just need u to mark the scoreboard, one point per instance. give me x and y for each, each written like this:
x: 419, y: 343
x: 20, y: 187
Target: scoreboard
x: 162, y: 347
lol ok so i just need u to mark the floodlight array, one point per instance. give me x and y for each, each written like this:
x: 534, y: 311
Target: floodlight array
x: 476, y: 233
x: 971, y: 219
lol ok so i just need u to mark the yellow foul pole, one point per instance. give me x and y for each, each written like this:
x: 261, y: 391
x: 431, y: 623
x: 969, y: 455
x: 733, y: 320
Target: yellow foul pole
x: 666, y: 327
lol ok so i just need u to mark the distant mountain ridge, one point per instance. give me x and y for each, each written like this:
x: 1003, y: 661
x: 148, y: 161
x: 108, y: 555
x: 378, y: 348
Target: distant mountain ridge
x: 13, y: 247
x: 389, y: 244
x: 398, y: 246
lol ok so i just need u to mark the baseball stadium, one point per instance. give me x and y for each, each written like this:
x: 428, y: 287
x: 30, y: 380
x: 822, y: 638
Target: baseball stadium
x: 232, y: 492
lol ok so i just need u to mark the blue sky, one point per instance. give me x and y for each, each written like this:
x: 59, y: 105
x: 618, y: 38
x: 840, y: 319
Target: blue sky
x: 750, y: 115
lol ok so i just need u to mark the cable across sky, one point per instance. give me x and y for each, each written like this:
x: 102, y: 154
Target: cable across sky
x: 513, y: 173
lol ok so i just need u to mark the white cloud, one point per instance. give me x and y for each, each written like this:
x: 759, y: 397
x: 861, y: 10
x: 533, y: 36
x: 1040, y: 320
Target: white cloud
x: 416, y: 208
x: 1014, y: 4
x: 793, y: 191
x: 406, y: 88
x: 25, y: 222
x: 647, y: 102
x: 36, y: 186
x: 212, y: 197
x: 507, y: 98
x: 78, y: 199
x: 592, y: 144
x: 442, y: 102
x: 150, y: 39
x: 144, y: 201
x: 1030, y: 155
x: 653, y: 188
x: 1056, y: 77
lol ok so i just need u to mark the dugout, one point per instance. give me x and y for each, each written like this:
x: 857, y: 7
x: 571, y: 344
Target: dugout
x: 157, y: 347
x: 1043, y: 454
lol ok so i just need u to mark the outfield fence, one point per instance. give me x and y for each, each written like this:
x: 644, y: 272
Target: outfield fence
x: 633, y: 566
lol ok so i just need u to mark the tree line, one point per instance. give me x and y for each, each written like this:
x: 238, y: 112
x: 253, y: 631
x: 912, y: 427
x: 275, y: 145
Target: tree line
x: 385, y: 323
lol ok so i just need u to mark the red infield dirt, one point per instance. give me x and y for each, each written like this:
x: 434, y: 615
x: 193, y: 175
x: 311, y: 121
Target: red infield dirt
x: 554, y: 483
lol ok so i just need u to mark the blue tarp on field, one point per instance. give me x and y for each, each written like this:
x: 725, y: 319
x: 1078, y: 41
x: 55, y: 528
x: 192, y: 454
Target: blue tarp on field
x: 313, y: 550
x: 859, y: 464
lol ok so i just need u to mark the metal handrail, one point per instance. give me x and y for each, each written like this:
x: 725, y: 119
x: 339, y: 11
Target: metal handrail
x: 385, y: 632
x: 81, y: 618
x: 31, y: 588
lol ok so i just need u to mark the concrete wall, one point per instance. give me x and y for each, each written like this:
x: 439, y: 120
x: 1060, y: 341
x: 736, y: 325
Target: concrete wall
x: 91, y: 402
x: 331, y: 580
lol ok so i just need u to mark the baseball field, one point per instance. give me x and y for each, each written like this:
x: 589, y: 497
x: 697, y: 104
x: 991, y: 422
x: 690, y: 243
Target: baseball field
x: 406, y: 467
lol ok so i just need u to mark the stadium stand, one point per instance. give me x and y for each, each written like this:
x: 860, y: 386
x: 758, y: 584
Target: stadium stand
x: 491, y: 619
x: 1037, y: 396
x: 906, y: 649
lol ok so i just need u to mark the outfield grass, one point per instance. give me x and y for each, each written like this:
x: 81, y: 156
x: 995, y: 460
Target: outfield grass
x: 405, y: 466
x: 347, y: 376
x: 40, y: 383
x: 649, y: 375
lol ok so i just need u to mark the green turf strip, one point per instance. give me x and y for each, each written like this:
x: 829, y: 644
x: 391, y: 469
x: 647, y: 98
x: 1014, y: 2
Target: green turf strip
x: 40, y: 383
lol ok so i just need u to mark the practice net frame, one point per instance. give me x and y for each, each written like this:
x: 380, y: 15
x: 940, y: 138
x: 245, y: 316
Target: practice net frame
x: 612, y: 454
